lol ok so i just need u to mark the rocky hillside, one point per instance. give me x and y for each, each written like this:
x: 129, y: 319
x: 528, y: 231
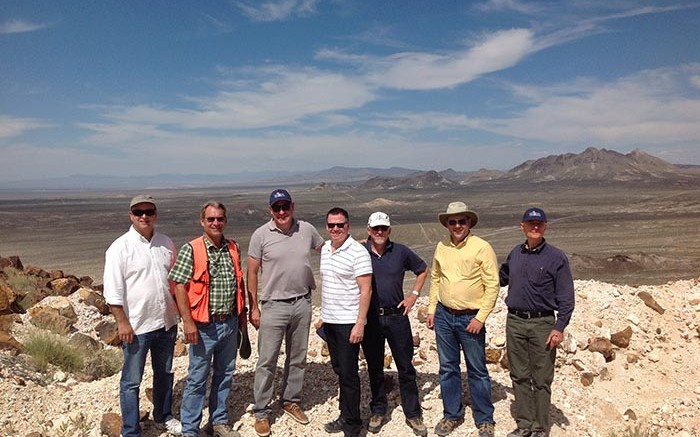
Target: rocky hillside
x: 629, y: 358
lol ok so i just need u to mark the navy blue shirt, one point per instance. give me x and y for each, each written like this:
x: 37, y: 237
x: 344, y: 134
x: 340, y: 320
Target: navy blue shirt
x: 388, y: 273
x: 539, y: 279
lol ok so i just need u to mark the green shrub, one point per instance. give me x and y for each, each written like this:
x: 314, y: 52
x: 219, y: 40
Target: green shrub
x: 25, y: 286
x: 637, y: 431
x: 103, y: 363
x: 48, y: 348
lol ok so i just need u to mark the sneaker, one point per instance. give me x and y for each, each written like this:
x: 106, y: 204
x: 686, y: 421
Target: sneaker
x: 172, y: 426
x: 375, y: 423
x: 519, y: 432
x: 486, y: 429
x: 262, y: 427
x: 416, y: 424
x: 224, y: 430
x: 334, y: 426
x: 446, y: 426
x: 295, y: 412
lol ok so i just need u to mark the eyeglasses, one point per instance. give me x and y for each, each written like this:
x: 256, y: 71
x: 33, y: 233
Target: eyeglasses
x: 336, y: 225
x: 381, y: 228
x: 454, y: 222
x: 140, y: 212
x: 216, y: 219
x: 277, y: 207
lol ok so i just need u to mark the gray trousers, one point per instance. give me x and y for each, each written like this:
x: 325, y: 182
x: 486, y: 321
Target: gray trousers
x: 279, y: 321
x: 531, y: 366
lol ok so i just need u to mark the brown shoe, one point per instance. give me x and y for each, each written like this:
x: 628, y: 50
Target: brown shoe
x: 262, y: 427
x: 295, y: 412
x: 376, y: 421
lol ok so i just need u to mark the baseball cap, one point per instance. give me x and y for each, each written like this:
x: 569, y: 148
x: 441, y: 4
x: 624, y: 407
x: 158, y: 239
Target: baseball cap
x: 378, y: 219
x: 534, y: 215
x: 142, y: 198
x: 280, y: 194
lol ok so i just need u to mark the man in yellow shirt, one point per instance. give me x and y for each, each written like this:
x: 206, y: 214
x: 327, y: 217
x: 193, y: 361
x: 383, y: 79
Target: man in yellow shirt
x: 463, y: 290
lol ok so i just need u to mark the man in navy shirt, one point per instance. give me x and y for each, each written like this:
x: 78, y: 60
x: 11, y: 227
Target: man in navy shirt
x: 539, y: 284
x: 387, y: 319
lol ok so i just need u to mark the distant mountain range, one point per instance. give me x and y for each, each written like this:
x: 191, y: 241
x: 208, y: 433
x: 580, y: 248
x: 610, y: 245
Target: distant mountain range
x: 590, y: 166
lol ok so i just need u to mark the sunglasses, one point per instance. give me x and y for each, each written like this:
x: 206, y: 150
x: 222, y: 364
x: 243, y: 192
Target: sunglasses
x: 281, y: 207
x: 454, y: 222
x: 140, y: 212
x: 380, y: 228
x: 336, y: 225
x: 216, y: 219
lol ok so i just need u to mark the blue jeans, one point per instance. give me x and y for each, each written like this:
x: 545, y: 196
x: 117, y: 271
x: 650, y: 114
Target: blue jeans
x: 161, y: 343
x: 344, y: 357
x: 217, y: 343
x: 281, y: 321
x: 451, y: 335
x: 396, y: 330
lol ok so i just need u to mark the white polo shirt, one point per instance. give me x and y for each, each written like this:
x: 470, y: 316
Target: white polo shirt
x: 136, y: 278
x: 340, y: 294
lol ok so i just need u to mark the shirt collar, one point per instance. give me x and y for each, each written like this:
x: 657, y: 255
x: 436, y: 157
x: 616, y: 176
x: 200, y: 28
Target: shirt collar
x: 536, y: 249
x: 273, y: 227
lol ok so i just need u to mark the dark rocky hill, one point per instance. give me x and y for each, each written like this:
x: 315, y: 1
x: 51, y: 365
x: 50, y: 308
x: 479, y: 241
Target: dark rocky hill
x: 429, y: 179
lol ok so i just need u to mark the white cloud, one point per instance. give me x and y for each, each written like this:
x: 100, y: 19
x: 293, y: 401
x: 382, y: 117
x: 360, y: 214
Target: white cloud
x: 528, y: 8
x: 20, y: 26
x: 414, y: 121
x: 424, y: 71
x: 278, y: 10
x: 651, y: 107
x: 15, y: 126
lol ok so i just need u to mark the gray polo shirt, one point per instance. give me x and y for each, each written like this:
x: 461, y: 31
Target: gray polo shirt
x: 284, y: 259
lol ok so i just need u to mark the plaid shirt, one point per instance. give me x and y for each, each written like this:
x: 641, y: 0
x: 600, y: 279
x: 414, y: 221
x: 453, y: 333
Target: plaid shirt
x: 222, y: 277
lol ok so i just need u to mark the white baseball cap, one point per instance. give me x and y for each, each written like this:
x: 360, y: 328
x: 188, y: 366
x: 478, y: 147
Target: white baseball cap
x: 378, y: 219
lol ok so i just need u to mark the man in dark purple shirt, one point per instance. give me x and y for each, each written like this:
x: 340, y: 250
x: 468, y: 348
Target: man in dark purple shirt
x: 539, y: 284
x: 387, y: 320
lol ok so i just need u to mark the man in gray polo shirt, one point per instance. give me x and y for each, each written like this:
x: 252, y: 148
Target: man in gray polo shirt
x: 280, y: 249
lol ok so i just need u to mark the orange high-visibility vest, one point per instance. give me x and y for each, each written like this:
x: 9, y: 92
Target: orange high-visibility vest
x: 198, y: 286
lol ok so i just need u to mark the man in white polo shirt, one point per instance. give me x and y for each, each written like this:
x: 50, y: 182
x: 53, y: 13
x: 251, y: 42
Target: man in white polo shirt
x: 137, y: 290
x: 346, y: 272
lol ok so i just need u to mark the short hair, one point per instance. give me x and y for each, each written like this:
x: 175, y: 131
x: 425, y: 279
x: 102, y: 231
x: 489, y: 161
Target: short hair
x: 336, y: 211
x: 213, y: 204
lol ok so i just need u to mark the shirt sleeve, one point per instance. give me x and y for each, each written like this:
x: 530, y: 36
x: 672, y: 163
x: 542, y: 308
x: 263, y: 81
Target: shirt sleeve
x: 316, y: 238
x: 435, y: 275
x: 113, y: 279
x: 363, y: 262
x: 255, y: 245
x: 184, y: 265
x: 564, y: 295
x: 489, y: 279
x: 414, y: 263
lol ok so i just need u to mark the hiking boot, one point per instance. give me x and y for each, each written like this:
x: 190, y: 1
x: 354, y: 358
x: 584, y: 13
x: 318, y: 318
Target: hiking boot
x: 375, y: 423
x: 416, y: 424
x: 519, y: 432
x: 224, y: 430
x: 486, y: 429
x: 334, y: 426
x: 538, y: 434
x: 446, y: 426
x: 172, y: 426
x: 262, y: 427
x: 295, y: 412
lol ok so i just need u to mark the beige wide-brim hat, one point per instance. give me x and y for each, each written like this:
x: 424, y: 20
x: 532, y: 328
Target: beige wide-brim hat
x: 455, y: 208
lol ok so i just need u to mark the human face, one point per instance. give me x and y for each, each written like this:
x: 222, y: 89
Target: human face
x: 144, y: 224
x: 283, y: 214
x: 458, y: 225
x: 379, y: 234
x: 534, y: 230
x: 214, y: 223
x: 338, y: 234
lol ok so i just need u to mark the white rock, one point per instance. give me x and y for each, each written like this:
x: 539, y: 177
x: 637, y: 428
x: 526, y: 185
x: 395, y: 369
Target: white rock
x: 633, y: 319
x: 654, y: 356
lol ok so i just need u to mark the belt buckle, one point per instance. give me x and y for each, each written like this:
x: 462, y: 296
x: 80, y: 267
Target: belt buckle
x: 380, y: 311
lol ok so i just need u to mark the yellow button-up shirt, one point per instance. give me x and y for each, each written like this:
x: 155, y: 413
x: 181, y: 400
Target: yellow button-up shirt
x: 464, y: 276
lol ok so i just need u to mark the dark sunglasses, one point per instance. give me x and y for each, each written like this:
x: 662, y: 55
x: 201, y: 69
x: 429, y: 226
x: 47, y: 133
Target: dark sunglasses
x: 336, y: 225
x: 281, y: 207
x: 454, y: 222
x: 216, y: 219
x: 140, y: 212
x: 380, y: 228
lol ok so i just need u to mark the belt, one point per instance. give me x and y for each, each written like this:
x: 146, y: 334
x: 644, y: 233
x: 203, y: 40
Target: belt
x: 293, y: 299
x: 530, y: 314
x: 454, y: 312
x: 220, y: 317
x: 390, y: 311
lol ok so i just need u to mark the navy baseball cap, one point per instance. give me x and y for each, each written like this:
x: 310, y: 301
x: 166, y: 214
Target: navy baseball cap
x: 534, y: 215
x: 280, y: 194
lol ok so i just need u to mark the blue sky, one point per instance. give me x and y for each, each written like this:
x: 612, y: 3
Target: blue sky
x: 140, y: 88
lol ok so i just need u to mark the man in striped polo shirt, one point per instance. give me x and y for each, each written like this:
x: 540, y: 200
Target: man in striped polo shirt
x: 346, y: 272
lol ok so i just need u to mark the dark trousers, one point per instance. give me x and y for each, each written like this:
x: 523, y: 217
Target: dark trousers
x: 396, y: 330
x: 531, y: 366
x: 344, y: 356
